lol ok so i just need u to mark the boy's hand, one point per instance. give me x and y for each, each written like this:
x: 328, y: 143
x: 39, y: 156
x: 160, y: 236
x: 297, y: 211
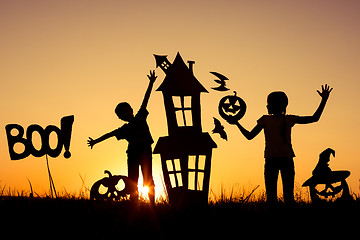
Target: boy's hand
x: 152, y: 76
x: 325, y: 91
x: 91, y: 142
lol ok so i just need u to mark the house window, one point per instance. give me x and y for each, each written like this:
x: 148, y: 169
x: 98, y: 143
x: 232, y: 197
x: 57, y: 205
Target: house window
x: 174, y: 170
x: 183, y: 110
x: 196, y: 167
x: 165, y: 65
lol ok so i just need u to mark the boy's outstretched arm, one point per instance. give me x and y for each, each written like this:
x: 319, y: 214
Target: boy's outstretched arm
x: 91, y: 142
x: 324, y: 94
x: 152, y: 79
x: 248, y: 134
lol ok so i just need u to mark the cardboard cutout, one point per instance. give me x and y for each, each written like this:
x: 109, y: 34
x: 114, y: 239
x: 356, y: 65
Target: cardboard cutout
x: 63, y: 139
x: 110, y: 183
x: 323, y: 182
x: 220, y: 81
x: 232, y: 108
x: 219, y: 129
x: 186, y: 151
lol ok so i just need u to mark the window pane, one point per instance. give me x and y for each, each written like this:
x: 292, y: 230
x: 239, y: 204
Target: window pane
x: 176, y: 101
x: 180, y: 118
x: 169, y: 165
x: 192, y: 160
x: 187, y: 101
x: 202, y: 162
x: 172, y: 180
x: 177, y: 165
x: 200, y: 181
x: 191, y: 180
x: 179, y: 178
x: 188, y: 117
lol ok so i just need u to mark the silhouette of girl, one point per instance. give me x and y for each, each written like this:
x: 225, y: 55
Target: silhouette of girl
x: 279, y: 153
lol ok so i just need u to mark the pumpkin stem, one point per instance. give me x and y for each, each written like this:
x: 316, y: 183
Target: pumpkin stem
x: 108, y: 172
x: 235, y: 93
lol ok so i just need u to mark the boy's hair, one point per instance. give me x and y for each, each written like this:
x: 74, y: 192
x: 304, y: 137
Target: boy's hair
x: 119, y: 108
x: 277, y: 102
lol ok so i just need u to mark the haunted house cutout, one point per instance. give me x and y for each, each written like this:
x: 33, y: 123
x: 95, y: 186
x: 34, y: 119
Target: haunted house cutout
x: 186, y: 152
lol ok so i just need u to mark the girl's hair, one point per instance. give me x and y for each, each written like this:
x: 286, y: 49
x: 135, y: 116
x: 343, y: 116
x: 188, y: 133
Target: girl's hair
x: 277, y: 102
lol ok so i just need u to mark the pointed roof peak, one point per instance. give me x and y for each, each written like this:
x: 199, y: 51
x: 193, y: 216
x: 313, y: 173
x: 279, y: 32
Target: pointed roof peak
x: 180, y: 80
x: 160, y: 59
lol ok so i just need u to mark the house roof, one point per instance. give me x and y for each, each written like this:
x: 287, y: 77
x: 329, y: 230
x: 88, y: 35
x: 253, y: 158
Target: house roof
x: 180, y: 80
x: 160, y: 59
x: 183, y: 144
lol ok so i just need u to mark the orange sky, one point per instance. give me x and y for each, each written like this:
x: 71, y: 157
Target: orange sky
x: 83, y: 57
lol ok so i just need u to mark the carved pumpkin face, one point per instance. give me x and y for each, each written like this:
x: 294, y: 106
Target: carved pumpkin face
x: 107, y: 188
x: 232, y: 107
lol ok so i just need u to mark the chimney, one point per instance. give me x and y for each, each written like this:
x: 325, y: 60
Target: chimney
x: 191, y: 64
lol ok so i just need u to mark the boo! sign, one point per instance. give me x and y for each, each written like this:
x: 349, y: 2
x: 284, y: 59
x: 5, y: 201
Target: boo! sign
x: 63, y: 139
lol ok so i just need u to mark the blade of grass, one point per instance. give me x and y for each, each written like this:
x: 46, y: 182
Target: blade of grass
x: 31, y: 189
x: 52, y: 185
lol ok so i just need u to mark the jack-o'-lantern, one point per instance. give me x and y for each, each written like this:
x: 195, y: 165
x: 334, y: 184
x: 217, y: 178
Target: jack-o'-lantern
x: 325, y: 184
x: 330, y: 189
x: 232, y: 108
x: 107, y: 188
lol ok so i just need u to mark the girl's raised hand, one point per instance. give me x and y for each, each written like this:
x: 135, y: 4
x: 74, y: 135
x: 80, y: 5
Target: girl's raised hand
x: 325, y: 91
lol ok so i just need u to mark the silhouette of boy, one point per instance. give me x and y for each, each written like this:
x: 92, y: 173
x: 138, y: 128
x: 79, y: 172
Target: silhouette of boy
x: 278, y: 148
x: 136, y: 132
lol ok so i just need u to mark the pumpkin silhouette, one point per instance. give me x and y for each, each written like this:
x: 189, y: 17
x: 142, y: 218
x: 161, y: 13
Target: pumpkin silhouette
x: 331, y: 188
x: 232, y: 107
x: 326, y: 184
x: 109, y: 183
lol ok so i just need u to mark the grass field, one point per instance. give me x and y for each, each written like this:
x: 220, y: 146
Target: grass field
x: 229, y: 215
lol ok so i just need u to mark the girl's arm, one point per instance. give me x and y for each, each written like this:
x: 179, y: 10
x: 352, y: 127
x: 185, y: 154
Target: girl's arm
x: 324, y: 94
x: 248, y: 134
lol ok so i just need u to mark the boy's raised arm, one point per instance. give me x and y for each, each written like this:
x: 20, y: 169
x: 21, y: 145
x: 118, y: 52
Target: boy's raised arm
x: 152, y: 79
x: 324, y: 94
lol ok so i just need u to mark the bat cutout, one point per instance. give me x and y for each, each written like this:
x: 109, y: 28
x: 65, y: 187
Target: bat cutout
x: 219, y: 129
x: 221, y: 81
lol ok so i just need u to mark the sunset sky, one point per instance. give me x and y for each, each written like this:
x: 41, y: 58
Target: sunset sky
x: 69, y: 57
